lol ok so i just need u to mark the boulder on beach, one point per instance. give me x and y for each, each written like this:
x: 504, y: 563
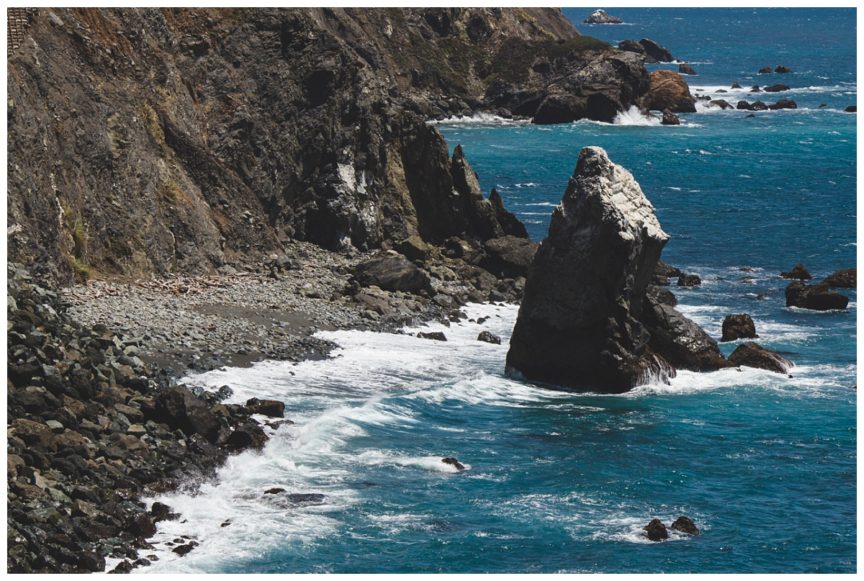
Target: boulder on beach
x: 667, y: 90
x: 689, y: 280
x: 738, y: 327
x: 817, y: 297
x: 846, y: 278
x: 685, y: 525
x: 797, y: 272
x: 752, y: 354
x: 600, y: 16
x: 686, y: 69
x: 656, y: 530
x: 392, y: 273
x: 577, y: 324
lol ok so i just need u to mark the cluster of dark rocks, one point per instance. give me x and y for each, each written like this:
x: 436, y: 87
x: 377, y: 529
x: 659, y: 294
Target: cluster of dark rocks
x: 819, y: 296
x: 657, y: 531
x: 781, y: 69
x: 91, y: 429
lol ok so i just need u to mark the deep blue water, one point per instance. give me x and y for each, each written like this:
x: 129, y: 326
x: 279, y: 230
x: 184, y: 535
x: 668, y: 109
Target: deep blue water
x: 765, y: 464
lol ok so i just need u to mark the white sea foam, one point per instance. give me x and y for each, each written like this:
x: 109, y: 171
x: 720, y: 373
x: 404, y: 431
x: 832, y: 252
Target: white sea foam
x: 479, y: 119
x: 634, y: 117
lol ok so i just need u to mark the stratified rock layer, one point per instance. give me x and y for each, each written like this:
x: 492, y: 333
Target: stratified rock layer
x: 579, y: 325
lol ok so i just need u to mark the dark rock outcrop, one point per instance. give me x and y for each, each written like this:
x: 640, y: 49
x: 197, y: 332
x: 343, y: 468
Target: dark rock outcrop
x: 776, y: 88
x: 744, y: 106
x: 765, y: 70
x: 655, y: 53
x: 454, y: 462
x: 783, y: 104
x: 578, y: 324
x: 817, y: 297
x: 392, y: 273
x: 689, y: 280
x: 331, y: 146
x: 268, y: 407
x: 686, y: 69
x: 510, y: 224
x: 600, y: 16
x: 670, y: 118
x: 508, y: 256
x: 680, y: 341
x: 851, y: 109
x: 782, y: 69
x: 656, y: 530
x: 798, y: 272
x: 434, y: 335
x: 722, y: 103
x: 754, y: 355
x: 846, y: 278
x: 685, y: 525
x: 668, y: 90
x: 738, y: 327
x: 488, y: 337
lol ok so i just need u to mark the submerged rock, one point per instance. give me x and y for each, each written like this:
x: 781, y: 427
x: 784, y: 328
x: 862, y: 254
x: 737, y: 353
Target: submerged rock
x: 656, y: 530
x: 738, y: 327
x: 578, y: 324
x: 684, y: 524
x: 600, y: 16
x: 797, y: 272
x: 817, y: 297
x: 752, y: 354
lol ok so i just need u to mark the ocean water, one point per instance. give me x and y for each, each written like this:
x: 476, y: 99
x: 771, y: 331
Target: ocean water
x: 557, y: 482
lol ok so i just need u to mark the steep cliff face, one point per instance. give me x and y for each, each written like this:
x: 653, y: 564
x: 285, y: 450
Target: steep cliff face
x: 150, y: 141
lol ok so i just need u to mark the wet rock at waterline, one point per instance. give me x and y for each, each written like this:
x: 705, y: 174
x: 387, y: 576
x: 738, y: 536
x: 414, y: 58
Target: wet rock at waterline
x: 578, y: 323
x: 846, y: 278
x: 817, y: 297
x: 656, y: 530
x: 589, y: 319
x: 434, y: 335
x: 738, y: 327
x: 685, y: 525
x: 798, y: 272
x: 752, y: 354
x: 488, y: 337
x: 454, y: 462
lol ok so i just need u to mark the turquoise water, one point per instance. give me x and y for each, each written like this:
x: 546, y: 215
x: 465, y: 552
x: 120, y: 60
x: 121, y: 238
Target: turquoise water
x: 764, y: 464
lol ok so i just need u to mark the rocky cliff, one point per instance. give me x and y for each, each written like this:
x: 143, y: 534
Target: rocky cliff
x: 587, y: 320
x: 177, y: 140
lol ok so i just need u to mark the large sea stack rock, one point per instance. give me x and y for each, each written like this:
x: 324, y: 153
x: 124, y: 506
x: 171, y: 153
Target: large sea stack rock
x: 669, y: 91
x: 578, y: 325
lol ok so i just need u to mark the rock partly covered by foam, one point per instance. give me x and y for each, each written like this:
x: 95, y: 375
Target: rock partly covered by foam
x: 600, y: 16
x: 578, y: 324
x: 752, y: 354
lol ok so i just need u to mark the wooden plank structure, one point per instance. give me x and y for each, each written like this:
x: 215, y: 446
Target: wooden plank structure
x: 16, y: 28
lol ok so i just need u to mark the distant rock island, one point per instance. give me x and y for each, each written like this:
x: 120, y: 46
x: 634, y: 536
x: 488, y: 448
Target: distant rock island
x: 600, y: 16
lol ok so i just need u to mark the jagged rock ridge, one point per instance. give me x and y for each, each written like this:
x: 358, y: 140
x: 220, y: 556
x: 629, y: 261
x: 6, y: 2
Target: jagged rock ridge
x: 177, y: 140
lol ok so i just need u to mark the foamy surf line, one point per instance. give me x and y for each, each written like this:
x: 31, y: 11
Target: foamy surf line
x: 487, y: 119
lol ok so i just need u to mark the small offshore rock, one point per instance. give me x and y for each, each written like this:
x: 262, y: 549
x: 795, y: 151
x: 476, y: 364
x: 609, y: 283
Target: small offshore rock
x: 434, y: 335
x: 689, y: 280
x: 670, y: 118
x: 656, y: 530
x: 684, y: 524
x: 738, y: 327
x: 686, y: 69
x: 765, y: 70
x: 782, y: 69
x: 600, y: 16
x: 268, y: 407
x: 783, y: 104
x: 274, y: 490
x: 817, y: 297
x: 776, y: 88
x: 851, y: 109
x: 797, y: 272
x: 488, y: 337
x: 454, y: 462
x: 752, y: 354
